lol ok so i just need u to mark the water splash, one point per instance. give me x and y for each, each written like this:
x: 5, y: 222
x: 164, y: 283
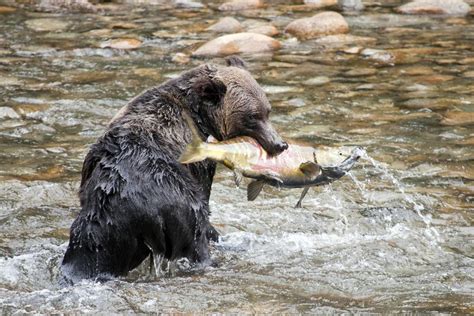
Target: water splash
x: 430, y: 231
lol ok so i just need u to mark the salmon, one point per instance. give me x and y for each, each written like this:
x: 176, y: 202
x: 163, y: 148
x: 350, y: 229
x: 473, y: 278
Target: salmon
x: 299, y: 166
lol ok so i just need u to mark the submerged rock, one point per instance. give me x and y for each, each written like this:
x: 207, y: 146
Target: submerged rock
x: 441, y: 7
x: 325, y: 23
x: 226, y: 25
x: 238, y: 43
x: 237, y: 5
x: 345, y: 39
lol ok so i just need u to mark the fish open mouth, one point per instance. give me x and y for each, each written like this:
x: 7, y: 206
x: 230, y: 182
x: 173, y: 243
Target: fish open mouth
x: 330, y: 174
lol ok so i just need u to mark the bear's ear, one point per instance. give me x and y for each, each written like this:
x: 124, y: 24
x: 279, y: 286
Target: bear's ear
x: 209, y: 88
x: 236, y: 61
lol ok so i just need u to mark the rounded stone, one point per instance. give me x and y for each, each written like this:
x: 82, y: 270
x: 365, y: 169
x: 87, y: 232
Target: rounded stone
x: 238, y: 43
x: 321, y: 24
x: 438, y: 7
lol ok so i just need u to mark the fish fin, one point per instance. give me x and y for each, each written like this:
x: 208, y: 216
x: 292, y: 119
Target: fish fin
x: 303, y: 194
x: 310, y: 168
x: 273, y: 176
x: 253, y: 190
x: 237, y: 177
x: 195, y: 150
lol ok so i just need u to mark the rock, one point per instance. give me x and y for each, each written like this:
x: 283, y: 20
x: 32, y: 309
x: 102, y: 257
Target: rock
x: 47, y: 25
x: 8, y: 113
x: 4, y: 9
x: 458, y: 118
x: 350, y: 5
x: 180, y: 58
x: 238, y: 5
x: 325, y: 23
x: 226, y: 25
x: 268, y: 30
x: 238, y: 43
x: 6, y: 80
x: 439, y: 7
x: 122, y: 43
x: 320, y: 3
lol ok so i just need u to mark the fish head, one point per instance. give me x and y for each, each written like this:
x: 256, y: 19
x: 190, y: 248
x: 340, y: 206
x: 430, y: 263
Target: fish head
x: 328, y: 156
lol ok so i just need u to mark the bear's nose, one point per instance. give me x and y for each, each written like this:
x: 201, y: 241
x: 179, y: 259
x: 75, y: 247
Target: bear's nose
x: 282, y: 146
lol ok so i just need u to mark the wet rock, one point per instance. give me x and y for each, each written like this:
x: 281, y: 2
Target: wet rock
x: 47, y: 25
x: 238, y: 43
x: 226, y: 25
x: 353, y: 50
x: 325, y: 23
x: 458, y: 118
x: 122, y: 43
x: 4, y: 9
x: 268, y: 30
x: 320, y: 3
x: 439, y: 7
x: 350, y: 5
x: 237, y: 5
x: 345, y: 39
x: 8, y: 113
x: 317, y: 81
x: 180, y: 58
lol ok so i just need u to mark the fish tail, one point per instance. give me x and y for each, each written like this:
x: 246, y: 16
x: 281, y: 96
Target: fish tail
x: 196, y: 150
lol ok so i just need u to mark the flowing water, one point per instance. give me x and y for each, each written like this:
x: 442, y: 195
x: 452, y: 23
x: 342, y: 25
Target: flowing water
x: 394, y: 235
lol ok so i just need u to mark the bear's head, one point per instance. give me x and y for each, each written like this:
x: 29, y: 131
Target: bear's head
x: 235, y: 105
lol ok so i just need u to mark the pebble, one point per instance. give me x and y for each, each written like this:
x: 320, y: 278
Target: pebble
x: 238, y: 5
x: 324, y: 23
x: 238, y: 43
x: 226, y: 25
x: 122, y: 43
x: 47, y: 25
x: 437, y: 7
x: 8, y: 113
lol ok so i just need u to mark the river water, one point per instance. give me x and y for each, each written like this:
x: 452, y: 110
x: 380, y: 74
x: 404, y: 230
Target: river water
x: 394, y: 235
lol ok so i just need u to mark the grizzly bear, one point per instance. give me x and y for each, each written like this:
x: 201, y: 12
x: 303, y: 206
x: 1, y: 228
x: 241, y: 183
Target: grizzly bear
x: 136, y: 198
